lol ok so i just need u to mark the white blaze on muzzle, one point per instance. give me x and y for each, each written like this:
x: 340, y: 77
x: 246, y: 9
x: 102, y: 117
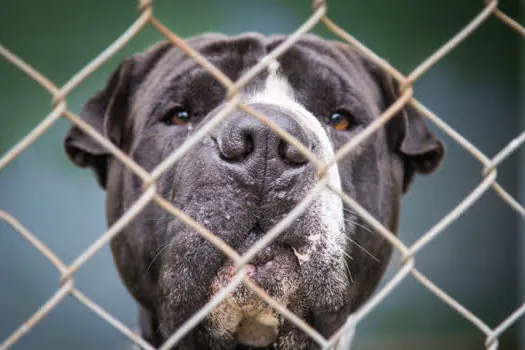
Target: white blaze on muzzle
x: 278, y: 92
x: 322, y: 255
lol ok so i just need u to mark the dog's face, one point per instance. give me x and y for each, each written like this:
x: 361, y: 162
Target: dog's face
x: 242, y: 179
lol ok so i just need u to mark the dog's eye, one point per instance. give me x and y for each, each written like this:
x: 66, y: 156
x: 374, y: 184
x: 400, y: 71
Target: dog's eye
x: 177, y: 116
x: 341, y: 120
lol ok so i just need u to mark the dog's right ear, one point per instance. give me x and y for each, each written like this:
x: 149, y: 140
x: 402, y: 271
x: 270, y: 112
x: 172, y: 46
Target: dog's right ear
x: 107, y: 112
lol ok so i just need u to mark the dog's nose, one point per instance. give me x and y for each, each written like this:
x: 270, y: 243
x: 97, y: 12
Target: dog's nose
x: 243, y: 138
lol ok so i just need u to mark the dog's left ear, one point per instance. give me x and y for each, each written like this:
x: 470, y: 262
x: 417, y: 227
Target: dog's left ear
x: 407, y: 132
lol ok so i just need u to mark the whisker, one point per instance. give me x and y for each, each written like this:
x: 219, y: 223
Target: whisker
x: 156, y: 256
x: 362, y: 248
x: 348, y: 269
x: 358, y: 225
x: 347, y: 255
x: 349, y: 211
x: 355, y: 221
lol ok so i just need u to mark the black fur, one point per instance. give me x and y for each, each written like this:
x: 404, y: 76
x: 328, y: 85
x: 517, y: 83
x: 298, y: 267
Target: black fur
x: 168, y: 267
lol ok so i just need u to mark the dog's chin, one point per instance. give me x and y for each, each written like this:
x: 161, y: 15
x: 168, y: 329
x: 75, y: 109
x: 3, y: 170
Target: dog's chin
x: 307, y: 287
x: 243, y: 315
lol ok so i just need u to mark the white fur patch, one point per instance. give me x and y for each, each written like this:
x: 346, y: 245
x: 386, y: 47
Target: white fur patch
x: 251, y: 321
x: 277, y: 91
x: 327, y: 241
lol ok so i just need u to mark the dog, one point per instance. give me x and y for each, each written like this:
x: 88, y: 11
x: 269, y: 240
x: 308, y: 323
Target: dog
x: 242, y: 179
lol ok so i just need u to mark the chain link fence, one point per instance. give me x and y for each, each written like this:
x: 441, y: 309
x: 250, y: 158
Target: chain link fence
x: 488, y: 166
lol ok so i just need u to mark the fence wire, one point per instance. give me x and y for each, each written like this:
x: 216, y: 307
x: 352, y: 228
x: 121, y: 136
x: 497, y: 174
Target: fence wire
x: 59, y: 97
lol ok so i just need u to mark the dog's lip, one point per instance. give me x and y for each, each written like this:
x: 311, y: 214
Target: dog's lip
x: 262, y: 257
x: 268, y: 254
x: 265, y: 254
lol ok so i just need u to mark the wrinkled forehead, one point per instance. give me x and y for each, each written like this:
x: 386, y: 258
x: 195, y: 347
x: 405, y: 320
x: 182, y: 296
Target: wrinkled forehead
x: 314, y: 68
x: 231, y: 56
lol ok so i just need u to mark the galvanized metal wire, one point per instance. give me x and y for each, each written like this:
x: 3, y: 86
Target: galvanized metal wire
x: 59, y: 95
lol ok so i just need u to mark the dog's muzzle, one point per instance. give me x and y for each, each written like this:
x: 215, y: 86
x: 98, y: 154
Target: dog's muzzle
x: 257, y: 156
x: 247, y: 169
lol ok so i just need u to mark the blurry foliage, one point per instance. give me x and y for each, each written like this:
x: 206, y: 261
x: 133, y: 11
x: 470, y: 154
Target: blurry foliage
x: 59, y: 37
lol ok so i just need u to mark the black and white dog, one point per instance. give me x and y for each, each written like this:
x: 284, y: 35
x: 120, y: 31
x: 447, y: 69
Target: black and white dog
x: 242, y: 179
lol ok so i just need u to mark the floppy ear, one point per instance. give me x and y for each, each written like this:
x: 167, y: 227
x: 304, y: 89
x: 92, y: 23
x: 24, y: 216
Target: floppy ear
x: 107, y: 113
x: 408, y: 134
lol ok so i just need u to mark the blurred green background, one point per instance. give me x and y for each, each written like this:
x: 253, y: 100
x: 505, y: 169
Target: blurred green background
x: 476, y: 89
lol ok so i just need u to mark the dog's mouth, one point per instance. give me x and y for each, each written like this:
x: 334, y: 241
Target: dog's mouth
x: 302, y: 269
x: 243, y: 314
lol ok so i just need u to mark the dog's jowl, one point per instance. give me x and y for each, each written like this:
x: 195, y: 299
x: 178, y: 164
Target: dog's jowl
x: 243, y: 178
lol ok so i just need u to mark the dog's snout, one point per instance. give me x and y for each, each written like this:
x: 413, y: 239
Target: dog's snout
x: 244, y: 138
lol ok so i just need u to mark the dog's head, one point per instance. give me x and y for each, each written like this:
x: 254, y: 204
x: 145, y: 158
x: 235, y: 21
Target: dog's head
x: 242, y: 179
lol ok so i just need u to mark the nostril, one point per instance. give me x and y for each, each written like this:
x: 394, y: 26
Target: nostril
x: 291, y: 154
x: 248, y: 144
x: 235, y: 147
